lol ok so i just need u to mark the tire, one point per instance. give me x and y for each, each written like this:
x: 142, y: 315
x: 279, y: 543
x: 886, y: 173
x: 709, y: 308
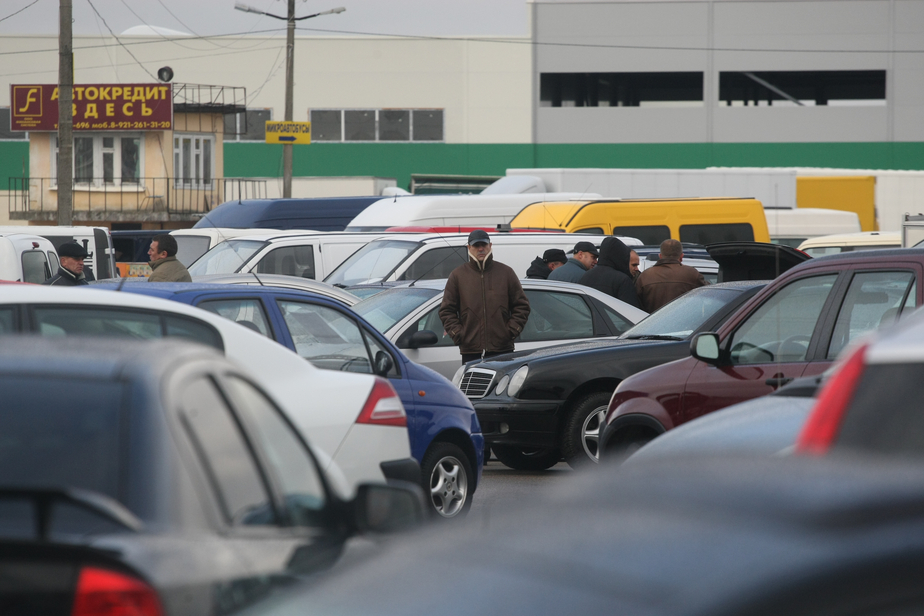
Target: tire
x: 524, y: 459
x: 580, y: 443
x: 448, y: 481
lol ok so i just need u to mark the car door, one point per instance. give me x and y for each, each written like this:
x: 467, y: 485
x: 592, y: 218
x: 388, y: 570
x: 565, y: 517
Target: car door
x: 771, y: 344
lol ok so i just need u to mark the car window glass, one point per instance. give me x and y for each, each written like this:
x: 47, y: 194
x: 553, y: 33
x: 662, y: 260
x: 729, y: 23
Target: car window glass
x: 650, y: 235
x: 54, y: 263
x: 289, y: 261
x: 436, y: 263
x: 371, y: 263
x: 326, y: 337
x: 557, y: 316
x: 190, y: 329
x: 35, y: 267
x: 383, y: 310
x: 713, y: 234
x: 6, y: 321
x: 298, y: 476
x: 912, y: 300
x: 685, y: 314
x: 591, y: 231
x: 96, y: 321
x: 244, y: 311
x: 432, y: 322
x: 225, y: 258
x: 375, y: 348
x: 225, y: 455
x: 873, y: 299
x: 191, y: 247
x: 619, y: 323
x: 781, y: 328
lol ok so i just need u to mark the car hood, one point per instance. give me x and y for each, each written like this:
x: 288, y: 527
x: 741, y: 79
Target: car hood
x: 754, y: 260
x: 522, y: 357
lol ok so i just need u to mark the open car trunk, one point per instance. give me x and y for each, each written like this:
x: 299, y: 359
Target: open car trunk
x: 754, y: 260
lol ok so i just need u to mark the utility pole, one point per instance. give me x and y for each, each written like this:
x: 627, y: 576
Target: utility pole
x: 66, y: 114
x: 290, y: 77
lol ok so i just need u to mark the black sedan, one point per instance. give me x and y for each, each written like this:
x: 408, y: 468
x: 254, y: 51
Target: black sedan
x: 158, y: 479
x: 536, y: 407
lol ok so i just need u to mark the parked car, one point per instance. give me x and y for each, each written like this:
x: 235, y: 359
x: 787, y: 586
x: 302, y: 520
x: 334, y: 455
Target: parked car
x: 319, y: 214
x: 95, y: 240
x: 560, y: 312
x: 159, y: 478
x: 730, y: 536
x: 537, y: 406
x: 444, y: 433
x: 356, y: 420
x: 27, y: 258
x: 849, y: 242
x: 283, y: 282
x: 794, y: 327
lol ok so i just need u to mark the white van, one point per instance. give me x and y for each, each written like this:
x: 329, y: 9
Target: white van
x: 95, y: 240
x: 309, y: 254
x: 429, y: 256
x: 26, y: 258
x: 195, y: 242
x: 847, y: 242
x: 792, y: 226
x: 450, y: 210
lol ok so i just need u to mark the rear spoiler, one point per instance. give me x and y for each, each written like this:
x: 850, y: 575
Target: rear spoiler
x: 45, y: 499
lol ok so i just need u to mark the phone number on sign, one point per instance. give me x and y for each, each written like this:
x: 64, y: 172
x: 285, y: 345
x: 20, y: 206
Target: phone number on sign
x: 122, y: 125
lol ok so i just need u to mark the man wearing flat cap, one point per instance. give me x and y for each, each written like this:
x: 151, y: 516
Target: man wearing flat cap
x: 484, y: 308
x: 551, y: 260
x: 70, y: 271
x: 585, y: 257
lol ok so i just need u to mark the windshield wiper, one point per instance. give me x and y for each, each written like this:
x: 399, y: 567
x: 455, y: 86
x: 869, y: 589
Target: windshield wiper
x: 654, y: 337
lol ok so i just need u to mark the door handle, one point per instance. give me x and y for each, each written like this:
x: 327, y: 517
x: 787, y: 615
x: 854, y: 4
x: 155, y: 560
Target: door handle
x: 778, y: 381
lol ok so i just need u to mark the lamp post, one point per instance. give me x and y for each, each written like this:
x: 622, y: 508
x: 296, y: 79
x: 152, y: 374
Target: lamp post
x: 290, y: 77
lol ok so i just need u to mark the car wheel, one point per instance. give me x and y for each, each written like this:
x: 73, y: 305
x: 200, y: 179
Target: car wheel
x: 525, y: 459
x: 581, y: 439
x: 447, y: 475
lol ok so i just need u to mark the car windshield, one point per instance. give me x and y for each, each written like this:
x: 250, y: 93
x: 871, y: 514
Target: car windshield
x: 191, y: 247
x: 225, y: 258
x: 372, y: 263
x: 684, y: 315
x: 385, y: 309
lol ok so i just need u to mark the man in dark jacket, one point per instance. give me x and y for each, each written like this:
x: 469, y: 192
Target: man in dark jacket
x: 551, y: 260
x: 667, y: 279
x: 585, y: 256
x: 484, y: 307
x: 611, y: 274
x: 70, y: 272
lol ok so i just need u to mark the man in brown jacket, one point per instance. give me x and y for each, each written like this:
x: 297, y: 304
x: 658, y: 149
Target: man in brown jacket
x: 484, y: 308
x: 165, y: 266
x: 667, y: 279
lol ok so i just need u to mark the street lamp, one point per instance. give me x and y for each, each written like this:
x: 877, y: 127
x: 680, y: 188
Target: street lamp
x: 290, y: 72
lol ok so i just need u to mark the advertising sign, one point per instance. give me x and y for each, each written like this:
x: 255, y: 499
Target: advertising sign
x: 288, y: 132
x: 134, y: 106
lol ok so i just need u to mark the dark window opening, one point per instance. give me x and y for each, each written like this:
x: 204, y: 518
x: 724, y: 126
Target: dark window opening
x: 712, y: 234
x: 248, y: 126
x: 621, y: 89
x: 428, y: 124
x: 802, y: 88
x: 326, y: 125
x: 394, y: 125
x: 650, y: 235
x: 359, y: 125
x: 5, y: 132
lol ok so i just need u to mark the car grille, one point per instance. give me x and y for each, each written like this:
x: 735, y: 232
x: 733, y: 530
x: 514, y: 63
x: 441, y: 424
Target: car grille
x: 476, y: 382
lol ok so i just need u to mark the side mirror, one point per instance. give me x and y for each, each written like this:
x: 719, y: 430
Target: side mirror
x: 422, y: 338
x: 383, y: 363
x: 380, y: 508
x: 705, y: 347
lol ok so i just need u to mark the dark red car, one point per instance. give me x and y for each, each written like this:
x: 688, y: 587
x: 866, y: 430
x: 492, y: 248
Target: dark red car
x: 796, y: 326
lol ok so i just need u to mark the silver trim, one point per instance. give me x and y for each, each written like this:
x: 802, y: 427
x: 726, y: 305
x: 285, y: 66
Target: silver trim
x: 466, y: 383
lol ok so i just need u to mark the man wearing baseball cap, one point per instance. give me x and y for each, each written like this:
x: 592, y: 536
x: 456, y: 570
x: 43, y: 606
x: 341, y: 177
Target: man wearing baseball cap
x: 70, y: 272
x: 484, y: 308
x: 551, y: 260
x: 585, y: 257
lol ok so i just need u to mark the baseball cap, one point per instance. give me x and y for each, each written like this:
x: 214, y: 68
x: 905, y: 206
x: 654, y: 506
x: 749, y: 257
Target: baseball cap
x: 73, y: 250
x: 478, y: 236
x: 554, y: 254
x: 585, y: 247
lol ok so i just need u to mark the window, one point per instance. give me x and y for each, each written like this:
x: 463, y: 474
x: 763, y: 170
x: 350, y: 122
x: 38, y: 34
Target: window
x: 249, y: 125
x: 192, y: 160
x: 802, y: 88
x: 196, y: 331
x: 376, y: 124
x: 111, y: 159
x: 873, y: 299
x: 289, y: 261
x: 246, y: 312
x: 430, y: 322
x: 781, y: 329
x: 621, y: 89
x: 711, y: 234
x: 650, y: 235
x: 303, y: 492
x: 326, y: 337
x: 225, y: 456
x: 35, y: 267
x: 619, y: 323
x: 5, y: 132
x: 557, y: 316
x: 436, y: 263
x: 375, y: 348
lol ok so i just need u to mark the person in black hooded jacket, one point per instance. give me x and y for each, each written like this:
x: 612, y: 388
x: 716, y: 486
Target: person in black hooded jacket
x: 612, y: 275
x: 541, y: 267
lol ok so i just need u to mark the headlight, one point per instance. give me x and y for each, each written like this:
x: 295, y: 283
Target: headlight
x: 457, y: 377
x: 519, y: 377
x: 501, y: 385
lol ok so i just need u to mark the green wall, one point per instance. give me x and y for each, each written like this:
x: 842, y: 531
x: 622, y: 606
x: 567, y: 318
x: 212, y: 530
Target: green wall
x: 13, y: 155
x: 399, y: 160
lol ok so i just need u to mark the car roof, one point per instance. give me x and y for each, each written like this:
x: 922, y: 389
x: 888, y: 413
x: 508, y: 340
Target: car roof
x: 193, y: 289
x: 880, y: 254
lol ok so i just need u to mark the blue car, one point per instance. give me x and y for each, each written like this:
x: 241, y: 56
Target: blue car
x: 444, y: 432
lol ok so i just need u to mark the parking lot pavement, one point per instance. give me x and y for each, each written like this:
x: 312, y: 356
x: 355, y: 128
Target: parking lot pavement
x: 503, y: 487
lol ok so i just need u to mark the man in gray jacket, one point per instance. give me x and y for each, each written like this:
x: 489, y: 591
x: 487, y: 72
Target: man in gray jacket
x: 164, y: 262
x: 585, y: 257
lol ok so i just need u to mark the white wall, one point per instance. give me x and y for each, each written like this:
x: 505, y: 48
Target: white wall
x: 310, y: 187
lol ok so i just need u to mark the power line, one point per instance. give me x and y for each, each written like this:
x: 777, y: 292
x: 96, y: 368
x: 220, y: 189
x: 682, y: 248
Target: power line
x: 90, y: 2
x: 19, y: 11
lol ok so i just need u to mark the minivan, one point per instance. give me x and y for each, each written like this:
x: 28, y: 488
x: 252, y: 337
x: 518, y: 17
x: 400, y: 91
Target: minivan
x: 318, y: 214
x: 95, y: 240
x: 849, y: 242
x: 696, y: 221
x: 792, y: 226
x: 26, y: 258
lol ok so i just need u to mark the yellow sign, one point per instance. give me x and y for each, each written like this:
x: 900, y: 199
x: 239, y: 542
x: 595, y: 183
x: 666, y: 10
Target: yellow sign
x: 288, y: 132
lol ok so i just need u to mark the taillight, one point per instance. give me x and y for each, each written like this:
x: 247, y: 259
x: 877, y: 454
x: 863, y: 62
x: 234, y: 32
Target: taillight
x: 101, y: 592
x: 383, y: 408
x: 822, y: 425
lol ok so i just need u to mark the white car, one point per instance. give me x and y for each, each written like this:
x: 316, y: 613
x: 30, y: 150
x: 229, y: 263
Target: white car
x: 350, y: 417
x: 560, y: 313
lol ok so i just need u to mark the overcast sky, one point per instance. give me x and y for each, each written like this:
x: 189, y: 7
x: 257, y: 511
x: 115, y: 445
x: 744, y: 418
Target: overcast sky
x: 210, y: 17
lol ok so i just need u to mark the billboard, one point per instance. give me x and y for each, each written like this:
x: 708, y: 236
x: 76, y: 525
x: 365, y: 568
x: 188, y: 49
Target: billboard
x: 134, y: 106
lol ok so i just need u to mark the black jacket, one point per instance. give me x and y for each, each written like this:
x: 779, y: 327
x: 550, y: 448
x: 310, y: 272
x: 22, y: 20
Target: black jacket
x: 538, y: 269
x: 611, y: 274
x: 66, y: 278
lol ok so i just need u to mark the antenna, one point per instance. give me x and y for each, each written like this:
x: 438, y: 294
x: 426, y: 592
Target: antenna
x: 440, y: 262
